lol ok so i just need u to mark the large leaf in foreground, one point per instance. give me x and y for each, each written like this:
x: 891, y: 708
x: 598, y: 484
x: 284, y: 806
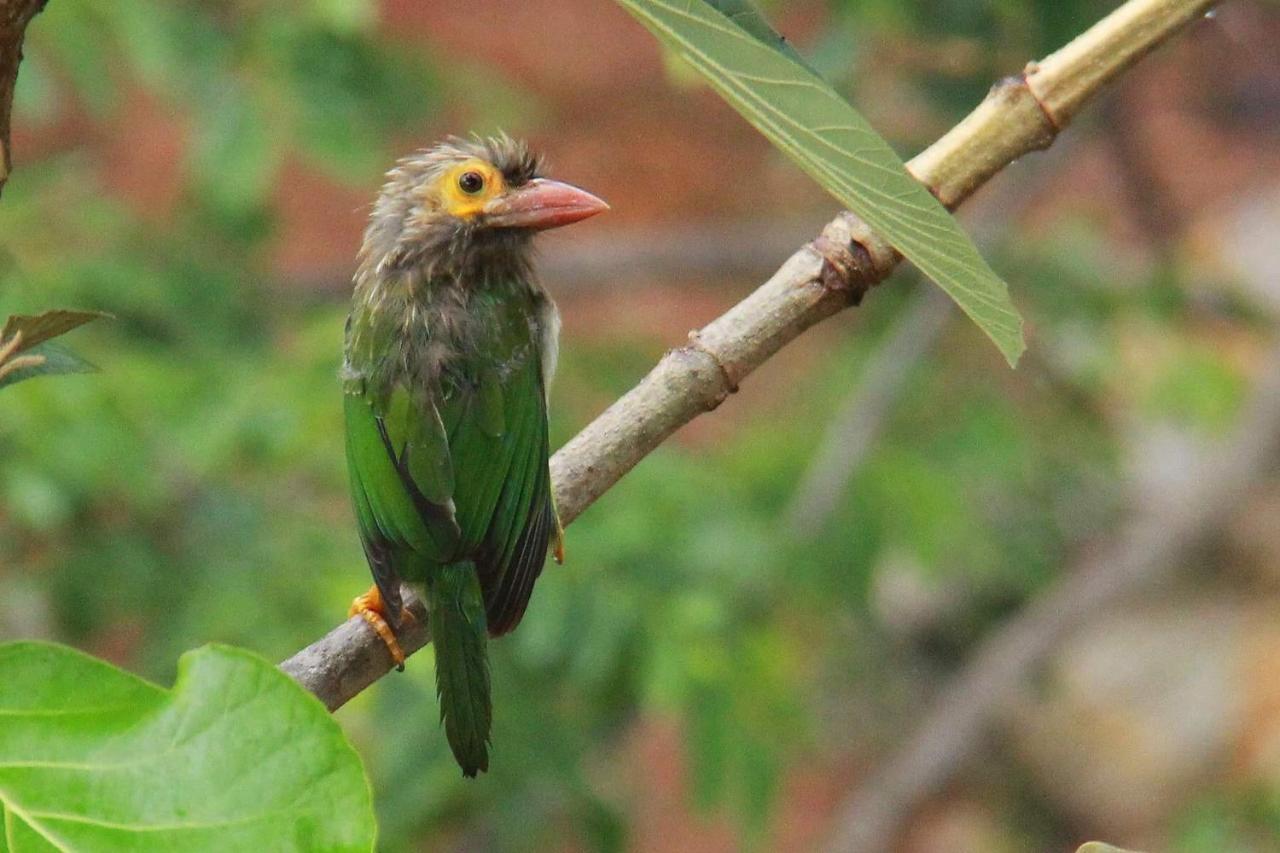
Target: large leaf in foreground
x: 235, y: 757
x: 804, y: 117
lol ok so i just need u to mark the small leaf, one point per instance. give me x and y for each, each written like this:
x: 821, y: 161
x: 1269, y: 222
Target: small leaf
x: 805, y: 118
x: 38, y: 328
x: 26, y: 350
x: 235, y: 757
x: 46, y: 359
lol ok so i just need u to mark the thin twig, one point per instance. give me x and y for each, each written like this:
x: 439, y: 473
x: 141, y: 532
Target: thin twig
x: 10, y: 362
x: 22, y: 362
x: 600, y: 259
x: 1150, y: 204
x: 9, y: 347
x: 862, y: 416
x: 1020, y: 115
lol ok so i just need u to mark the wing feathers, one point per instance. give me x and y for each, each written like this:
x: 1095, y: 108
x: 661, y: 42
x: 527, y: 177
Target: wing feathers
x: 457, y: 471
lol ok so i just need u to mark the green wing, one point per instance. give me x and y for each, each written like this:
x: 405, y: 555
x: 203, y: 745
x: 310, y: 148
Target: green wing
x: 498, y: 446
x: 400, y: 526
x: 458, y: 473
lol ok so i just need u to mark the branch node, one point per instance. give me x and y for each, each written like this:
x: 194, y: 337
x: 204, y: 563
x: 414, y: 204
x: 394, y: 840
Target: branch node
x: 854, y: 258
x: 730, y: 381
x: 1023, y: 81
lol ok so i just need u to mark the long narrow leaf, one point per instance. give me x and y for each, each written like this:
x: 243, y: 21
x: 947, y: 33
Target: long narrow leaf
x: 805, y: 118
x: 748, y: 17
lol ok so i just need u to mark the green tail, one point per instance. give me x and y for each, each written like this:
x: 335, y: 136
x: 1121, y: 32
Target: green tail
x: 455, y: 610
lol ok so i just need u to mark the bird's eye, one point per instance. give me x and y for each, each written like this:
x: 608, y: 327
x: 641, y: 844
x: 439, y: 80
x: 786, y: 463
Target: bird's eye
x: 471, y: 182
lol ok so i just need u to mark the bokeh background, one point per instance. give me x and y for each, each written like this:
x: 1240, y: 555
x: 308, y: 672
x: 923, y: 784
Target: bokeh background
x: 736, y: 643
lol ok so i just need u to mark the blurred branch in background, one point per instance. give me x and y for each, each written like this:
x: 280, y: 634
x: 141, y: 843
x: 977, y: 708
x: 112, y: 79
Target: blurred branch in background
x: 1148, y: 548
x: 1150, y: 206
x: 14, y: 17
x: 861, y: 417
x: 581, y: 264
x: 1020, y: 115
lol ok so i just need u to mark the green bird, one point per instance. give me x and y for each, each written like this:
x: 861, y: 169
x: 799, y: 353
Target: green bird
x: 450, y: 348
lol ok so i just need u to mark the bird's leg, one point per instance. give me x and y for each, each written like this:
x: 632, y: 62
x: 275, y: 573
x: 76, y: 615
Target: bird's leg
x: 373, y: 610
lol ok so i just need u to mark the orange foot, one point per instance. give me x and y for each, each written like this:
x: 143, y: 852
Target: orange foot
x: 373, y: 610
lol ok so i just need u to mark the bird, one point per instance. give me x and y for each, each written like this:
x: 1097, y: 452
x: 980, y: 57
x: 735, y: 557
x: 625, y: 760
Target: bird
x: 450, y: 348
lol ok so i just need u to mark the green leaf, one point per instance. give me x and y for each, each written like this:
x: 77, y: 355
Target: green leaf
x: 805, y: 118
x: 748, y: 17
x: 38, y: 328
x: 46, y: 359
x: 235, y: 757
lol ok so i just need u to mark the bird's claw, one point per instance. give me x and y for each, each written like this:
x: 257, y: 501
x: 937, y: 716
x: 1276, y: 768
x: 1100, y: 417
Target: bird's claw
x: 373, y: 610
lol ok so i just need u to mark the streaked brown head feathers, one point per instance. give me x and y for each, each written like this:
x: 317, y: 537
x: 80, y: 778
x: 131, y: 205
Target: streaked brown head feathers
x: 463, y: 199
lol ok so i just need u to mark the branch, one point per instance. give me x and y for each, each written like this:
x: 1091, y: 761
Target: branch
x: 14, y: 17
x: 1021, y: 114
x: 595, y: 261
x: 1143, y: 552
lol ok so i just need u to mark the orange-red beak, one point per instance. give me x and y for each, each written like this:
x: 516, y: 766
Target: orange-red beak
x: 542, y: 204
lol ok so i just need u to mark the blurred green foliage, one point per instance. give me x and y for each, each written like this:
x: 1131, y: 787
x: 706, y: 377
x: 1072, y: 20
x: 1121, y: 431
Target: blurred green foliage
x: 946, y: 53
x: 1247, y: 819
x: 194, y: 491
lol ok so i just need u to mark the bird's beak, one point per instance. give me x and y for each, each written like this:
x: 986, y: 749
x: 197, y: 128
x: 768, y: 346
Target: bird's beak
x: 542, y: 204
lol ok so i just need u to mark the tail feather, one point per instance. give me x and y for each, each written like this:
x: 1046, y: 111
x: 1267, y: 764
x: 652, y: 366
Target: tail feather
x: 455, y: 610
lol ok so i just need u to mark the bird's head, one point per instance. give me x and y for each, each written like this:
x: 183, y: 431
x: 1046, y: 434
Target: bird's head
x: 468, y: 198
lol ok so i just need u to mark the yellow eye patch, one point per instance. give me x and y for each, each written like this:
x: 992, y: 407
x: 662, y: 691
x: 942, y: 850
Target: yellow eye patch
x: 467, y: 187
